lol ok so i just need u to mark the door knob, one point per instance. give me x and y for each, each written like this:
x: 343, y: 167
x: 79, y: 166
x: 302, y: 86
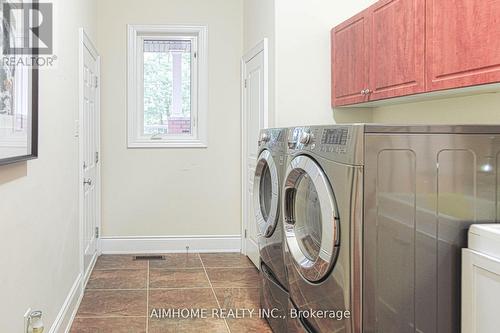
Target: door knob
x: 87, y: 182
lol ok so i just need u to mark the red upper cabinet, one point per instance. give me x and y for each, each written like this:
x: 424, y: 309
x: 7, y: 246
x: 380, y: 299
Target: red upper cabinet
x: 398, y: 48
x: 463, y: 43
x: 397, y: 45
x: 349, y: 61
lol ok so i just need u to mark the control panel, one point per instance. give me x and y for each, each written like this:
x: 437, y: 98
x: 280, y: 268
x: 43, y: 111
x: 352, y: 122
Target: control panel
x: 336, y: 142
x: 335, y: 136
x: 321, y: 139
x: 273, y: 138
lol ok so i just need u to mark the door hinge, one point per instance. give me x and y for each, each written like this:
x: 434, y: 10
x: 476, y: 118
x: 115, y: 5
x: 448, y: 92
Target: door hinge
x: 96, y: 157
x: 195, y: 55
x: 245, y: 83
x: 96, y: 232
x: 246, y: 233
x: 96, y: 81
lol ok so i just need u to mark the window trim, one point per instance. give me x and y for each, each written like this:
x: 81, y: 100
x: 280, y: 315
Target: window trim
x: 199, y: 100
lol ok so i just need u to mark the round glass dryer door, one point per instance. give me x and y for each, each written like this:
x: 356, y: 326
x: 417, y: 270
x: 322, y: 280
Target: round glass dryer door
x: 310, y: 219
x: 266, y: 194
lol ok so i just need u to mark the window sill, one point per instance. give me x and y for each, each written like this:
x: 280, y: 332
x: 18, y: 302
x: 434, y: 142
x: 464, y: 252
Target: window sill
x: 167, y: 144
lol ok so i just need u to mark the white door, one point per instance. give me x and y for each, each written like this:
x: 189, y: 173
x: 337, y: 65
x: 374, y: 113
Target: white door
x: 89, y: 152
x: 255, y: 118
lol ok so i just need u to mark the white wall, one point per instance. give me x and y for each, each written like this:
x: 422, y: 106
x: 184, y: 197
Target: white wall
x: 39, y: 251
x: 168, y: 192
x: 259, y: 23
x: 477, y: 109
x: 303, y: 77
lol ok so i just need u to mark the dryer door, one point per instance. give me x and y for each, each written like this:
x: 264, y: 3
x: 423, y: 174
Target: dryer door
x: 311, y: 220
x: 266, y: 194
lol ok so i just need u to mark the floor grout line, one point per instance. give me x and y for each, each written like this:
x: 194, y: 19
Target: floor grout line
x: 107, y: 317
x: 115, y: 289
x: 213, y: 292
x: 147, y: 300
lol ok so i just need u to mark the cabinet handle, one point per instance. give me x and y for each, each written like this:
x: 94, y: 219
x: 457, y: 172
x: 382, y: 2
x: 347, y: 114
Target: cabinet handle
x: 365, y: 92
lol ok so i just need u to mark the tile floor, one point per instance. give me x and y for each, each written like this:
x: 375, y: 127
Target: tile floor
x: 122, y: 294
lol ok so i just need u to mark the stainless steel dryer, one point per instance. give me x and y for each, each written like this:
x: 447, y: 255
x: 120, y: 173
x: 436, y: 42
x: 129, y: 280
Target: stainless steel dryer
x: 267, y: 191
x: 322, y: 213
x: 375, y: 218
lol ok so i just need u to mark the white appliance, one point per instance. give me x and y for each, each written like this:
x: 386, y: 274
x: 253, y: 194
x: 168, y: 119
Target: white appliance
x: 481, y: 280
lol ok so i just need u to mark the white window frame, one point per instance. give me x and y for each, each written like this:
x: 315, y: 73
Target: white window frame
x: 199, y: 86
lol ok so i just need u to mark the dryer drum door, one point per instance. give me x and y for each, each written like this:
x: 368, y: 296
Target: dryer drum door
x: 311, y: 221
x: 266, y: 194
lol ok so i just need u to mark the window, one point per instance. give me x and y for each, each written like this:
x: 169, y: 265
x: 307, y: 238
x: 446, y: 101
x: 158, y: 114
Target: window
x: 167, y: 86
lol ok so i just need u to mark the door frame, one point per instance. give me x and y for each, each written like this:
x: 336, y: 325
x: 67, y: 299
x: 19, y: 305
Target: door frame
x: 262, y: 46
x: 86, y: 42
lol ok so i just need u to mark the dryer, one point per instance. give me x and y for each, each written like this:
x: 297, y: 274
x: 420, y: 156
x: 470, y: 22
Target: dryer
x: 375, y: 217
x: 267, y: 192
x: 322, y: 207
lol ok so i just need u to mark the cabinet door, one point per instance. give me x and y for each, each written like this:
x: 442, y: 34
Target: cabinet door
x: 463, y: 43
x: 350, y: 61
x: 397, y: 45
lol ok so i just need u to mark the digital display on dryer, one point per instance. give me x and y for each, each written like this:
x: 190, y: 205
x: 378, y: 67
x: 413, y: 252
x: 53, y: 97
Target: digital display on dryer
x: 335, y: 136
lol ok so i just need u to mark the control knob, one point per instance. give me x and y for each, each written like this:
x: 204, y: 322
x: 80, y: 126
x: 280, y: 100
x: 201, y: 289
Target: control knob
x: 306, y: 138
x: 265, y: 138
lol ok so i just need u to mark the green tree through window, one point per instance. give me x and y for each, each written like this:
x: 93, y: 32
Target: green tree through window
x: 158, y: 90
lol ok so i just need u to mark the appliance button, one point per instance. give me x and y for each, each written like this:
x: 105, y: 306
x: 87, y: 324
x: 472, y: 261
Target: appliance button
x: 265, y: 137
x: 306, y: 138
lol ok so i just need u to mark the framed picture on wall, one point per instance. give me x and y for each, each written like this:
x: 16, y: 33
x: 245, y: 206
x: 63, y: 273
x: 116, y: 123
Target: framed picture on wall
x: 18, y: 106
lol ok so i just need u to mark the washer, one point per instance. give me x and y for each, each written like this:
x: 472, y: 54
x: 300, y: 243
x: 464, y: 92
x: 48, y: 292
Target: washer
x: 375, y: 217
x: 318, y: 207
x: 267, y: 192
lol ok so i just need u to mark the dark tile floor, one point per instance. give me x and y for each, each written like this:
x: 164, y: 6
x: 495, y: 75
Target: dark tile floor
x: 122, y: 294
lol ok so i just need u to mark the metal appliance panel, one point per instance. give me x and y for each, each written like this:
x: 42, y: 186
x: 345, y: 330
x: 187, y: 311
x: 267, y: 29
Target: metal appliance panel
x: 338, y: 143
x: 274, y: 301
x: 266, y: 194
x: 310, y: 218
x: 273, y: 141
x: 334, y: 292
x: 294, y: 323
x: 422, y: 191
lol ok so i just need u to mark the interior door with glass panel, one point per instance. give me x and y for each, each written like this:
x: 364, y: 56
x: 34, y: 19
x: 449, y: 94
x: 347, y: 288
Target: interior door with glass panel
x: 311, y: 220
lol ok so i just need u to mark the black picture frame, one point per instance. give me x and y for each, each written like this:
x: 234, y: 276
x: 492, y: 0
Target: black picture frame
x: 33, y: 153
x: 33, y: 112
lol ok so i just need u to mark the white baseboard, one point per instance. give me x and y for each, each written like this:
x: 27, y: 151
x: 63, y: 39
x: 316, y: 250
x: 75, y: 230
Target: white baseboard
x: 170, y: 244
x: 68, y: 311
x: 86, y: 275
x: 65, y: 317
